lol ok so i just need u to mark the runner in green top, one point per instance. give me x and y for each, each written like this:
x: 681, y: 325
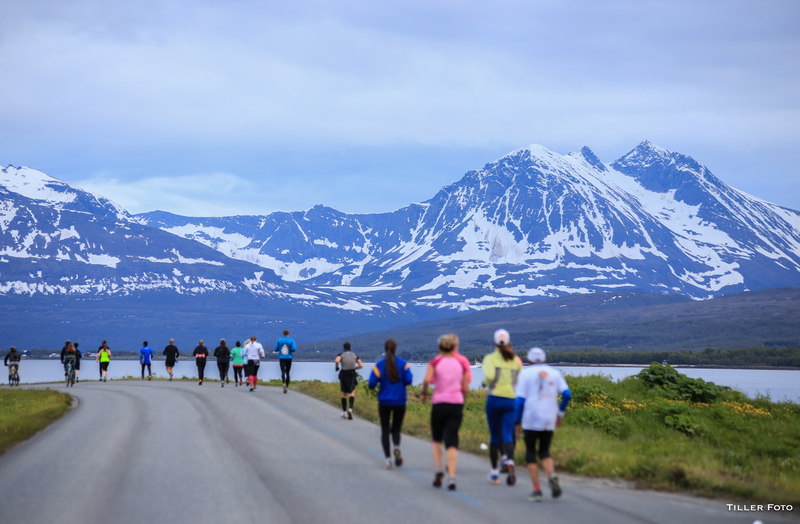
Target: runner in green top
x: 237, y: 361
x: 500, y: 370
x: 104, y: 357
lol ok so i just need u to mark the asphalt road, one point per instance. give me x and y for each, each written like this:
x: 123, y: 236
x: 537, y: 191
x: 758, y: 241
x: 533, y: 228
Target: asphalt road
x: 152, y: 452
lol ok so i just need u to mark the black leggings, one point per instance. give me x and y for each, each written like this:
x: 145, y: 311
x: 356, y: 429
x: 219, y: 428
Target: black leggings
x: 445, y: 423
x: 238, y: 371
x: 396, y: 425
x: 201, y: 368
x: 286, y: 365
x: 149, y: 372
x: 223, y: 370
x: 544, y: 438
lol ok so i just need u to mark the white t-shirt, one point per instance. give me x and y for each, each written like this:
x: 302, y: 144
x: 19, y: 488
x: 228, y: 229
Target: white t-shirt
x: 540, y: 385
x: 252, y: 350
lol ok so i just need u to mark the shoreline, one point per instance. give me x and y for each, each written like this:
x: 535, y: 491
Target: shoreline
x: 559, y: 364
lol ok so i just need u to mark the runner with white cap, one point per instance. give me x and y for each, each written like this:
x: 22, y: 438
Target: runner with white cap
x: 500, y: 371
x: 539, y: 413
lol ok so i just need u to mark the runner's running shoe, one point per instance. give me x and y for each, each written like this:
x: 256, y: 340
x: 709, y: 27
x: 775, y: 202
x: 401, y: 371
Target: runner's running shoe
x: 555, y: 487
x: 388, y: 463
x: 536, y: 496
x: 398, y: 457
x: 512, y: 477
x: 349, y: 414
x: 344, y: 415
x: 451, y: 483
x: 437, y: 479
x: 494, y: 477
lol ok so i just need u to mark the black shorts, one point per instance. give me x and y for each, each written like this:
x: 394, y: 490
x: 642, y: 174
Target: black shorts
x: 445, y: 423
x: 77, y: 364
x: 103, y: 366
x: 543, y: 438
x: 170, y: 363
x: 347, y: 380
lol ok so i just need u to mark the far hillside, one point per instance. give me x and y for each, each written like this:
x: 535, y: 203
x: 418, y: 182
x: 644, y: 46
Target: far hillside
x: 611, y: 322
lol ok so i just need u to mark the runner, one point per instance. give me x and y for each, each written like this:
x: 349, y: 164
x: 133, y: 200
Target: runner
x: 223, y: 354
x: 393, y: 374
x: 539, y: 414
x: 200, y: 354
x: 238, y: 363
x: 12, y: 361
x: 146, y: 359
x: 103, y: 357
x: 450, y: 375
x: 285, y: 347
x: 172, y: 354
x: 500, y: 370
x: 78, y: 356
x: 348, y: 377
x: 253, y: 353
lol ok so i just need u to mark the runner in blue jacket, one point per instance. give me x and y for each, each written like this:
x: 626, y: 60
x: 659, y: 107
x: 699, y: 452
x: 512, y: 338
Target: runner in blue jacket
x: 285, y: 347
x: 393, y: 374
x: 146, y: 359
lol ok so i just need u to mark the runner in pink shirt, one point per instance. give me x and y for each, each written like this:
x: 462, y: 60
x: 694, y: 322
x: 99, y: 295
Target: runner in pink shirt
x: 450, y: 375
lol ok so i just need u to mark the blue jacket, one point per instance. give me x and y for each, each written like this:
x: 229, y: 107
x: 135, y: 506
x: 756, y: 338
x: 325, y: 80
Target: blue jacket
x: 391, y: 394
x: 291, y: 346
x: 145, y: 355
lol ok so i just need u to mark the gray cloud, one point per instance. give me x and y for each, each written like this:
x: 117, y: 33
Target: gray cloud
x: 273, y: 94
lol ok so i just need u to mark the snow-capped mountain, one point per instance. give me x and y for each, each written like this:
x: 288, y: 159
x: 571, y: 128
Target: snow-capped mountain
x: 67, y: 252
x: 532, y: 224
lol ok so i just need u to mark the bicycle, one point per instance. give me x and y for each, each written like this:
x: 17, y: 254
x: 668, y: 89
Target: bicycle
x: 13, y: 375
x: 70, y: 368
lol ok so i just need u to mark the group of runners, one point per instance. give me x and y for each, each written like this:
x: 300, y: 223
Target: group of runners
x: 520, y: 397
x: 245, y: 360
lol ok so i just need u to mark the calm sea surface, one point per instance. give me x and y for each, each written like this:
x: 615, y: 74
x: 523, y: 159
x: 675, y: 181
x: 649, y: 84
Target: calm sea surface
x: 778, y: 384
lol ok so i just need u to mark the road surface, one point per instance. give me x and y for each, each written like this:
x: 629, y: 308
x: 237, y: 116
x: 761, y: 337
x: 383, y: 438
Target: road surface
x: 176, y: 452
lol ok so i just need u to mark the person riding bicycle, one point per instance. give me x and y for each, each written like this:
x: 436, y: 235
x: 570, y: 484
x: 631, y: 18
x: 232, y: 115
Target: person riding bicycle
x: 68, y: 356
x: 13, y: 357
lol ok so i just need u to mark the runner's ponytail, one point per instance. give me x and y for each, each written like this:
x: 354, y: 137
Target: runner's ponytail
x: 391, y: 364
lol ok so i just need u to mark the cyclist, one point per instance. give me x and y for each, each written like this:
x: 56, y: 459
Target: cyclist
x: 68, y: 356
x: 13, y: 357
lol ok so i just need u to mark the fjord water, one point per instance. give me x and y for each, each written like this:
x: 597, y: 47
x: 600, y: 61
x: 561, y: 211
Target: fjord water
x: 779, y: 384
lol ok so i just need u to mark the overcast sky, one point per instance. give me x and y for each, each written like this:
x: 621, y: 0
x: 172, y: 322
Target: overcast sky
x: 248, y: 107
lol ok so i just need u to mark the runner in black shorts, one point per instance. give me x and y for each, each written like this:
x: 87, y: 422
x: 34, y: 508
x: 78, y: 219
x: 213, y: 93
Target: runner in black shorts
x: 349, y: 362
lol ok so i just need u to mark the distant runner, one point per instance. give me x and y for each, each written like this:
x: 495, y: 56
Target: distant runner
x: 103, y: 357
x: 500, y: 371
x: 393, y: 374
x: 172, y: 354
x: 237, y: 360
x: 200, y: 354
x: 349, y: 362
x: 539, y: 414
x: 78, y: 356
x: 450, y: 375
x: 285, y: 347
x: 253, y: 353
x: 223, y: 355
x: 146, y: 360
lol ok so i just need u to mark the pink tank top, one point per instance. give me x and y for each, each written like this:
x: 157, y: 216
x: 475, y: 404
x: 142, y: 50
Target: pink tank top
x: 448, y: 372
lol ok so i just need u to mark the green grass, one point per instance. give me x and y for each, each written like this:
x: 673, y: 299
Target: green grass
x: 24, y: 412
x: 659, y: 429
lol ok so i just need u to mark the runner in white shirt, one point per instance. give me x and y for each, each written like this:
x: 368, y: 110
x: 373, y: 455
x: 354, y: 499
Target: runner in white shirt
x: 539, y: 414
x: 252, y: 353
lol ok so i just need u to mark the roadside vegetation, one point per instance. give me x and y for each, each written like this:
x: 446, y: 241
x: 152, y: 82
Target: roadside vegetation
x: 24, y: 412
x: 659, y: 428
